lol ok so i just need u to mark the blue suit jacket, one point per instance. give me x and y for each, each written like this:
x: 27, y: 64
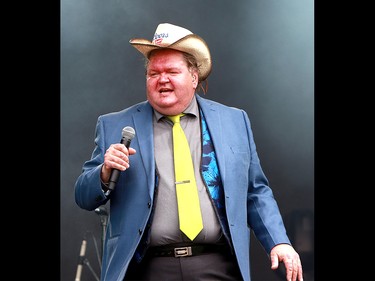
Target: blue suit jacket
x: 249, y: 200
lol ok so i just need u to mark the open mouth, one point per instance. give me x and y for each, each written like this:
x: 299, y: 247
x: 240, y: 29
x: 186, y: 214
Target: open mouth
x: 165, y: 90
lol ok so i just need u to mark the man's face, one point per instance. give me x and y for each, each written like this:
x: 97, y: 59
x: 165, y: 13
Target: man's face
x: 170, y: 84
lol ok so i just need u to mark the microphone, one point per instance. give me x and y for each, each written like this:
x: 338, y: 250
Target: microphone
x: 128, y: 134
x: 81, y: 259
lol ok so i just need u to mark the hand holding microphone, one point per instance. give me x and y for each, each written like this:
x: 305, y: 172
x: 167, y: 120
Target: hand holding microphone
x: 128, y: 134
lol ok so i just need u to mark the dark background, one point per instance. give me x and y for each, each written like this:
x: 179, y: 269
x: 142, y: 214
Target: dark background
x: 263, y: 62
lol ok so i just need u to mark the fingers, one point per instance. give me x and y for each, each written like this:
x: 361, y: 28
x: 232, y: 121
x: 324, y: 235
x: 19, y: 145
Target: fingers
x: 300, y: 271
x: 289, y: 269
x: 286, y: 254
x: 116, y: 157
x: 293, y: 269
x: 131, y: 151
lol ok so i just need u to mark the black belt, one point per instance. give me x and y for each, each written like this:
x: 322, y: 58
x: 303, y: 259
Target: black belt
x: 176, y: 250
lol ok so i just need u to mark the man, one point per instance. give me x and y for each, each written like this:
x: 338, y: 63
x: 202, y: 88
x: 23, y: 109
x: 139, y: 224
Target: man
x: 143, y: 239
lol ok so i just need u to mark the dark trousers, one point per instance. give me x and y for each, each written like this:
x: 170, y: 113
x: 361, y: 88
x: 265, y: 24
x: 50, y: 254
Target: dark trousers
x: 204, y: 267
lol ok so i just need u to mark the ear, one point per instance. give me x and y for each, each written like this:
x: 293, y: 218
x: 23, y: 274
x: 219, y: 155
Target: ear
x: 194, y: 79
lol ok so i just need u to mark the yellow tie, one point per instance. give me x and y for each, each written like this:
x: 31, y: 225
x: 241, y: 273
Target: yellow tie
x: 186, y: 188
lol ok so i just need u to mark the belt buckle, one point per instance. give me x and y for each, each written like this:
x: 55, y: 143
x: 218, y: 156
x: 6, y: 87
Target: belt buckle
x: 182, y: 252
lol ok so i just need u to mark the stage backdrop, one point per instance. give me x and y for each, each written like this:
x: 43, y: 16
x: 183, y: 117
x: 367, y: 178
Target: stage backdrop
x: 263, y: 62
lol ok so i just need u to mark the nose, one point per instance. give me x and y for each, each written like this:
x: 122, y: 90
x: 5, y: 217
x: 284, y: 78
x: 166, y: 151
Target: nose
x: 164, y: 78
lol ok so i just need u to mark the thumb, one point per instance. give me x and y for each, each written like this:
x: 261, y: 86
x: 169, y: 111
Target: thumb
x: 274, y: 260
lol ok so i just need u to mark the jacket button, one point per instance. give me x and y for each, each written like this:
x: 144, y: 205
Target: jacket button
x: 149, y: 204
x: 140, y: 231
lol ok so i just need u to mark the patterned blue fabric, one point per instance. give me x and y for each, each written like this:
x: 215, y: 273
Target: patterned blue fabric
x: 211, y: 176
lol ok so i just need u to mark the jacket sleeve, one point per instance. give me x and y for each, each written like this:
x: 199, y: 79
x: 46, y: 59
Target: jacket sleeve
x: 264, y: 216
x: 88, y: 188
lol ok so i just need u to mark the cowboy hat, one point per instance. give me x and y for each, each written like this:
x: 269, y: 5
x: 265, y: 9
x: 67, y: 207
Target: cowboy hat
x: 178, y: 38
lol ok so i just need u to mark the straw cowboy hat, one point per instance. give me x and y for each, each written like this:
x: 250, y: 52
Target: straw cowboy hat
x: 178, y: 38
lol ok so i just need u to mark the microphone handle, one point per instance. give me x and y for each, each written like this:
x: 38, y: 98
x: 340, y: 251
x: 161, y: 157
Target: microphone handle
x: 116, y: 172
x: 113, y: 179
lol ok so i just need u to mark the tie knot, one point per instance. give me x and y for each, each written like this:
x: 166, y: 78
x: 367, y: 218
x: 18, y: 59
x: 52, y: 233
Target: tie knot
x: 175, y: 118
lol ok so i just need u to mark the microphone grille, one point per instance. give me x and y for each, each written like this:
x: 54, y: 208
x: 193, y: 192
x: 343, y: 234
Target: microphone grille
x: 128, y: 132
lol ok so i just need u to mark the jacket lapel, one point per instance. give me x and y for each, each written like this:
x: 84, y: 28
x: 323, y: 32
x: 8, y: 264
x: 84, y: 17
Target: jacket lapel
x: 144, y: 132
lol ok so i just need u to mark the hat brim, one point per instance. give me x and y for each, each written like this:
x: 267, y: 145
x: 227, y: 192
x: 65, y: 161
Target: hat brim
x: 191, y: 44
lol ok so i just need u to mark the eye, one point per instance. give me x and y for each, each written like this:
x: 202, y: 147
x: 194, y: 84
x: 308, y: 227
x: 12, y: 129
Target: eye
x: 152, y: 75
x: 174, y: 71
